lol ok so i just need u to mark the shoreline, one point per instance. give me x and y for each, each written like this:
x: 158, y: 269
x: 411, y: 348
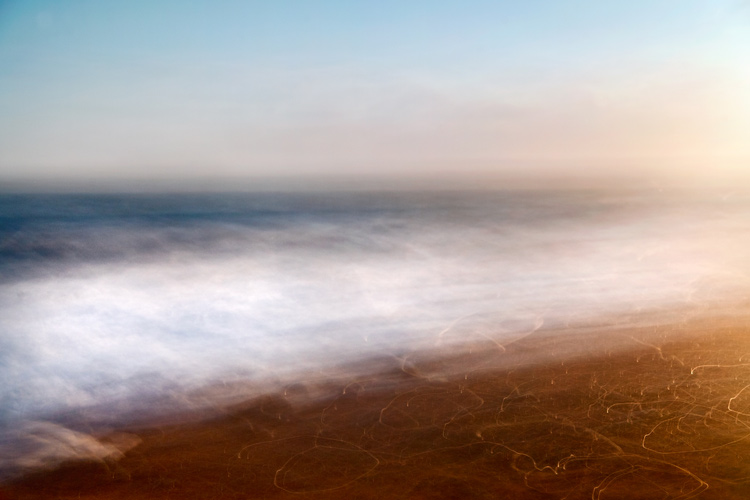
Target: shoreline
x: 656, y: 411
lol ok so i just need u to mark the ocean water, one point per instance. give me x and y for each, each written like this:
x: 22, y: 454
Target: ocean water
x: 109, y: 300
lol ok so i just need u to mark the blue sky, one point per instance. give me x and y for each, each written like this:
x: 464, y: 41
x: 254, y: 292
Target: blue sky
x: 121, y: 90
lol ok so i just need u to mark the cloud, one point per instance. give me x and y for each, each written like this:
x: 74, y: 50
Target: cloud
x: 231, y: 121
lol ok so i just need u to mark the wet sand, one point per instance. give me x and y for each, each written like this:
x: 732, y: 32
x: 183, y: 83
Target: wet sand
x: 601, y: 411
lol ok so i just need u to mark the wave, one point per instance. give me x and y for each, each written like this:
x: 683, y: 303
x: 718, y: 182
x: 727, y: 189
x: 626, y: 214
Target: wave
x: 112, y: 299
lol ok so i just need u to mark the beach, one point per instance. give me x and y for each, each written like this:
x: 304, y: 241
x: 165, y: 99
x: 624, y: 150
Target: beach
x: 545, y: 344
x: 601, y: 410
x: 374, y: 250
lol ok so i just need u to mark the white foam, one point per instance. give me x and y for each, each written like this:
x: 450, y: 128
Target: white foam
x: 277, y: 301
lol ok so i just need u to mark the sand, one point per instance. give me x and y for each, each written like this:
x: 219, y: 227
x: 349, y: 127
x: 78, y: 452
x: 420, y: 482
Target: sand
x: 606, y: 410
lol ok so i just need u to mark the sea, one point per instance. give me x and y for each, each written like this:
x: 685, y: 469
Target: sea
x: 109, y: 302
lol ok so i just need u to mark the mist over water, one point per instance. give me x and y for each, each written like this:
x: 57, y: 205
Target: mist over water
x: 115, y: 299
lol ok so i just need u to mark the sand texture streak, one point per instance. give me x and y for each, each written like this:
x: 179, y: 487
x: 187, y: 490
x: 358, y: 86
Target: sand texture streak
x: 601, y: 412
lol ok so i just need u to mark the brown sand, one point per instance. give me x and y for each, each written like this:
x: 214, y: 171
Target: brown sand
x: 601, y: 412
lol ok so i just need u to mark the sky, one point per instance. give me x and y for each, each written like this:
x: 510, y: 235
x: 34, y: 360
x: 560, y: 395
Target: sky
x: 231, y: 91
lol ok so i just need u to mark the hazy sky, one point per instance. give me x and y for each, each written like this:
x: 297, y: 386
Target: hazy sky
x: 227, y: 89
